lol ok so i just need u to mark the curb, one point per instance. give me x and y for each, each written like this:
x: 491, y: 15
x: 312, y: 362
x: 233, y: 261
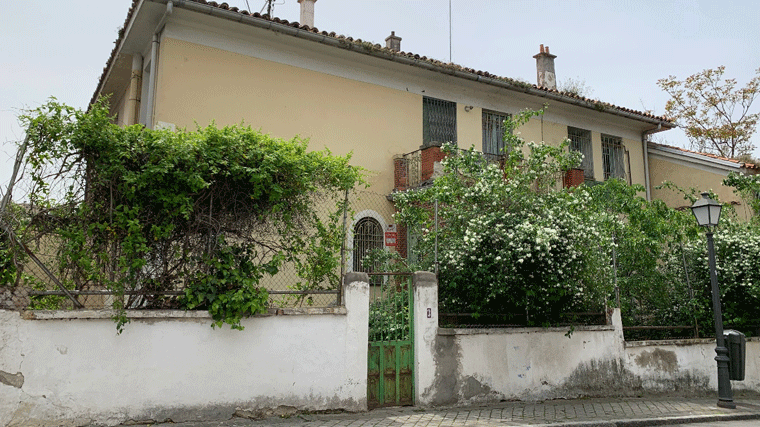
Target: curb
x: 666, y: 421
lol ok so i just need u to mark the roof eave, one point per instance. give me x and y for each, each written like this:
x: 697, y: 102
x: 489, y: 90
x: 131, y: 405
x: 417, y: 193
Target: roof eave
x: 305, y: 32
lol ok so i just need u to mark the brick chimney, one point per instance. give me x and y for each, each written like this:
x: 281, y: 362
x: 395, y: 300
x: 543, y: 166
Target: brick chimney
x: 307, y: 12
x: 545, y: 69
x: 393, y: 42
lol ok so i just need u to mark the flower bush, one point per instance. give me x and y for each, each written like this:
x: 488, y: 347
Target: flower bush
x: 737, y: 253
x: 509, y: 241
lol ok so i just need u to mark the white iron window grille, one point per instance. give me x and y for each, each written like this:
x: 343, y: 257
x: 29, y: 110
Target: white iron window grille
x: 580, y: 140
x: 613, y: 157
x: 439, y: 121
x: 493, y: 132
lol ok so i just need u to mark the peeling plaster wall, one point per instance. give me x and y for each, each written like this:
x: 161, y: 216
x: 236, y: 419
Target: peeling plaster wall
x: 686, y: 365
x: 481, y: 365
x: 78, y: 371
x: 475, y: 365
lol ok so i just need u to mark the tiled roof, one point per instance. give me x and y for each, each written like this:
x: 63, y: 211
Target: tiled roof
x: 370, y: 48
x: 710, y: 155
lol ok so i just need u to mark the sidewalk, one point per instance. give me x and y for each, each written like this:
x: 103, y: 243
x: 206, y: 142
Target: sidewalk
x: 598, y: 412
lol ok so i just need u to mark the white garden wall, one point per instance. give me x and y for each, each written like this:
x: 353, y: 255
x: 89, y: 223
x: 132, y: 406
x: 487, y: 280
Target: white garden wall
x: 173, y: 365
x: 463, y: 366
x: 70, y: 368
x: 686, y: 365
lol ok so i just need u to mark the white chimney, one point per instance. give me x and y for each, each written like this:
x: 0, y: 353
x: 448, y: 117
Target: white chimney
x: 545, y: 69
x: 307, y: 12
x: 393, y: 42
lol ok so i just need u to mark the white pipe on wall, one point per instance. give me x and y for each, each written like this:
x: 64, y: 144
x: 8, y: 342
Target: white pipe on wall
x: 155, y: 44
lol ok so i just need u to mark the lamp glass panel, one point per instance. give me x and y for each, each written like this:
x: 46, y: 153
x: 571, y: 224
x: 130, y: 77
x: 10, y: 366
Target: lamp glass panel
x: 701, y: 213
x: 714, y: 214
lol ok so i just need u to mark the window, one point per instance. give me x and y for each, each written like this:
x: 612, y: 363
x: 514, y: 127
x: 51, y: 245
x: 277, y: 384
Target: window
x: 439, y: 121
x: 493, y: 132
x: 368, y: 235
x: 613, y: 157
x: 580, y: 140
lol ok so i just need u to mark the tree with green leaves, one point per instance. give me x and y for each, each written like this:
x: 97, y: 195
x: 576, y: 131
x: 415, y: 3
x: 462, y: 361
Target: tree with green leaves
x: 212, y: 211
x: 714, y: 113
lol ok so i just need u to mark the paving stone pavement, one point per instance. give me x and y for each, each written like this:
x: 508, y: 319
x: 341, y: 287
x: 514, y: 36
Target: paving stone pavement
x: 597, y: 412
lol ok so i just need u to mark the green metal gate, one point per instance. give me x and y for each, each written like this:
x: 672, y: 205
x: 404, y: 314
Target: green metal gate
x: 390, y: 364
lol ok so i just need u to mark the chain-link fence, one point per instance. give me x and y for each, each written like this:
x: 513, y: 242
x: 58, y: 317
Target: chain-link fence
x: 36, y: 278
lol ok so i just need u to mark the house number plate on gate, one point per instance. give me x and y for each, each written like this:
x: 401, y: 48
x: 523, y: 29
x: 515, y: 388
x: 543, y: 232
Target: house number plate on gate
x: 430, y: 313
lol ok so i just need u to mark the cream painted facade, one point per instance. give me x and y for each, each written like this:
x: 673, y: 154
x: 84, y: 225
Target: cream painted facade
x: 692, y: 170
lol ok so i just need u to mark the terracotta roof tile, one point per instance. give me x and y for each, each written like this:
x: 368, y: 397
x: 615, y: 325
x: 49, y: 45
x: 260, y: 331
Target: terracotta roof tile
x: 596, y: 104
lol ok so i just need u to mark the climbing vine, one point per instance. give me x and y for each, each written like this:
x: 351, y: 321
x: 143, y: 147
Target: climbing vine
x: 212, y: 211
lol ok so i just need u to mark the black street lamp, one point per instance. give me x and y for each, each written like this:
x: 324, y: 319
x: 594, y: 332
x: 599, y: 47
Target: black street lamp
x: 707, y: 213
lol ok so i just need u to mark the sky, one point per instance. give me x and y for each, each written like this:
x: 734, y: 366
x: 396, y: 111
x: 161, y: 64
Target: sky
x: 617, y: 48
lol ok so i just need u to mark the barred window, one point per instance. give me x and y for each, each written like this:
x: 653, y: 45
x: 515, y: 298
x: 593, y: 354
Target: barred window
x: 368, y: 235
x: 580, y: 140
x: 493, y: 132
x: 613, y: 157
x: 439, y: 121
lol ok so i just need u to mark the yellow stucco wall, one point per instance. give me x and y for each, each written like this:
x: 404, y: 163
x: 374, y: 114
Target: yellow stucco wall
x: 663, y: 169
x: 635, y: 159
x: 469, y: 127
x: 199, y: 84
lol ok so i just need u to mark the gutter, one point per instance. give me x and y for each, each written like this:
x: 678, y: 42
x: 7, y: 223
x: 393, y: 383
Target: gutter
x: 296, y: 31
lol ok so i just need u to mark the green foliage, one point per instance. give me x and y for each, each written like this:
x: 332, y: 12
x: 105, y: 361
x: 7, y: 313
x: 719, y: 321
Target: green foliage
x: 317, y: 267
x: 748, y: 186
x: 389, y: 313
x: 227, y: 284
x: 662, y: 268
x: 650, y: 231
x: 149, y: 211
x: 390, y: 303
x: 737, y: 252
x: 8, y: 269
x: 509, y: 240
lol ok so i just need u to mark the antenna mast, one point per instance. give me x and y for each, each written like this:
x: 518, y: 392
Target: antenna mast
x: 450, y: 31
x: 268, y: 5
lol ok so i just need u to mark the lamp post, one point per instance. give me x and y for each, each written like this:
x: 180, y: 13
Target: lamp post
x: 707, y: 213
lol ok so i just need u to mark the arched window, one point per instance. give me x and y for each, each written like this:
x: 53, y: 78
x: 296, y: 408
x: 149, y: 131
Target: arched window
x: 368, y: 235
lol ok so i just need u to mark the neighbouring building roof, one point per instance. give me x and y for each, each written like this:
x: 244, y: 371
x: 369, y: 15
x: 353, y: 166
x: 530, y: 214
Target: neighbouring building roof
x: 705, y: 156
x: 377, y: 50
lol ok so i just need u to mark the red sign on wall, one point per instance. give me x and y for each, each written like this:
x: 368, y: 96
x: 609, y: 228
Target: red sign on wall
x: 390, y: 238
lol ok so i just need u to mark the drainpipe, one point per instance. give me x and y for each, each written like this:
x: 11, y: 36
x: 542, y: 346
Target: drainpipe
x: 645, y: 148
x: 150, y: 106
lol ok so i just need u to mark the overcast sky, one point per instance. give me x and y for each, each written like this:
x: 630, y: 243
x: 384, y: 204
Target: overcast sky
x: 618, y: 48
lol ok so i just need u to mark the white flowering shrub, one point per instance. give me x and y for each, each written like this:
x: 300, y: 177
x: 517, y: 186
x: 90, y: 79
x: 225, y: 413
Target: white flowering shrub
x: 662, y: 261
x: 509, y: 241
x: 737, y: 253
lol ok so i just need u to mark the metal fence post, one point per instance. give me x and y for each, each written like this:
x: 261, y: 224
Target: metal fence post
x: 343, y: 247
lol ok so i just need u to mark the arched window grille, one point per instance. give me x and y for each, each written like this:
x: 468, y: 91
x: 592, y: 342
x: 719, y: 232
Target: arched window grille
x: 368, y: 235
